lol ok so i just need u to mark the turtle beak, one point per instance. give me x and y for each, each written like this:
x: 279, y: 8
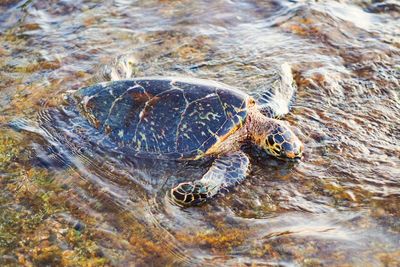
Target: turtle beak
x: 290, y: 155
x: 293, y: 155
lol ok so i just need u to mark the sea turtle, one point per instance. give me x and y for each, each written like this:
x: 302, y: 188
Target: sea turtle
x: 188, y: 119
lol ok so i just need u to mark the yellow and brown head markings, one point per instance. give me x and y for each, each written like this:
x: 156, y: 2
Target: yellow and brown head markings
x: 283, y: 143
x: 279, y: 141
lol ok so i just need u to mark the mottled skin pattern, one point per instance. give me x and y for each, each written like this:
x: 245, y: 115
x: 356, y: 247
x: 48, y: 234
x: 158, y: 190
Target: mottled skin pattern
x: 186, y: 119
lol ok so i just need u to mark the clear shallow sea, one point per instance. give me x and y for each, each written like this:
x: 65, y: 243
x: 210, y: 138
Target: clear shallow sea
x: 340, y: 206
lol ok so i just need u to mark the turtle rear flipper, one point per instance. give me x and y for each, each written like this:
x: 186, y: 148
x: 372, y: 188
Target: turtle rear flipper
x: 226, y: 171
x: 276, y: 101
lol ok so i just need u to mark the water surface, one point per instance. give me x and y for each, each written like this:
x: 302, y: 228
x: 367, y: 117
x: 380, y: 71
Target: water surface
x: 65, y: 201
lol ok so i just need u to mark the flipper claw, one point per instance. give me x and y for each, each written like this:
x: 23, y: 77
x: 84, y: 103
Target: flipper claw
x: 189, y: 193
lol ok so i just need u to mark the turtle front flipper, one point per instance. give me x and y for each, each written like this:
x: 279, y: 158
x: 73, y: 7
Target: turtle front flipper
x: 275, y: 102
x: 226, y: 171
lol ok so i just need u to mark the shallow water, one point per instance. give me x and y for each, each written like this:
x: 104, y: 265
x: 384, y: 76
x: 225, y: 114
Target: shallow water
x: 65, y: 201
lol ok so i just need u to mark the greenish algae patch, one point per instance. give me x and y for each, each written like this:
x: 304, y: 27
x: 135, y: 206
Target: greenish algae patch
x: 39, y: 225
x: 31, y: 202
x: 142, y: 245
x: 222, y: 238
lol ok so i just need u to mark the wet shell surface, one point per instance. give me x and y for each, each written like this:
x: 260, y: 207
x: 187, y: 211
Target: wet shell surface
x: 167, y: 117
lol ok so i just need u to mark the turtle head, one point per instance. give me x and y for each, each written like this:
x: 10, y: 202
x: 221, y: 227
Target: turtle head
x: 279, y: 141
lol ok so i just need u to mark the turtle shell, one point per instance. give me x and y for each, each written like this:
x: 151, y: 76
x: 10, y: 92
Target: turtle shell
x: 164, y: 117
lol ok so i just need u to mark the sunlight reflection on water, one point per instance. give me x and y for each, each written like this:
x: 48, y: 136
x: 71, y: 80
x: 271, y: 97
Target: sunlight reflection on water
x: 338, y: 206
